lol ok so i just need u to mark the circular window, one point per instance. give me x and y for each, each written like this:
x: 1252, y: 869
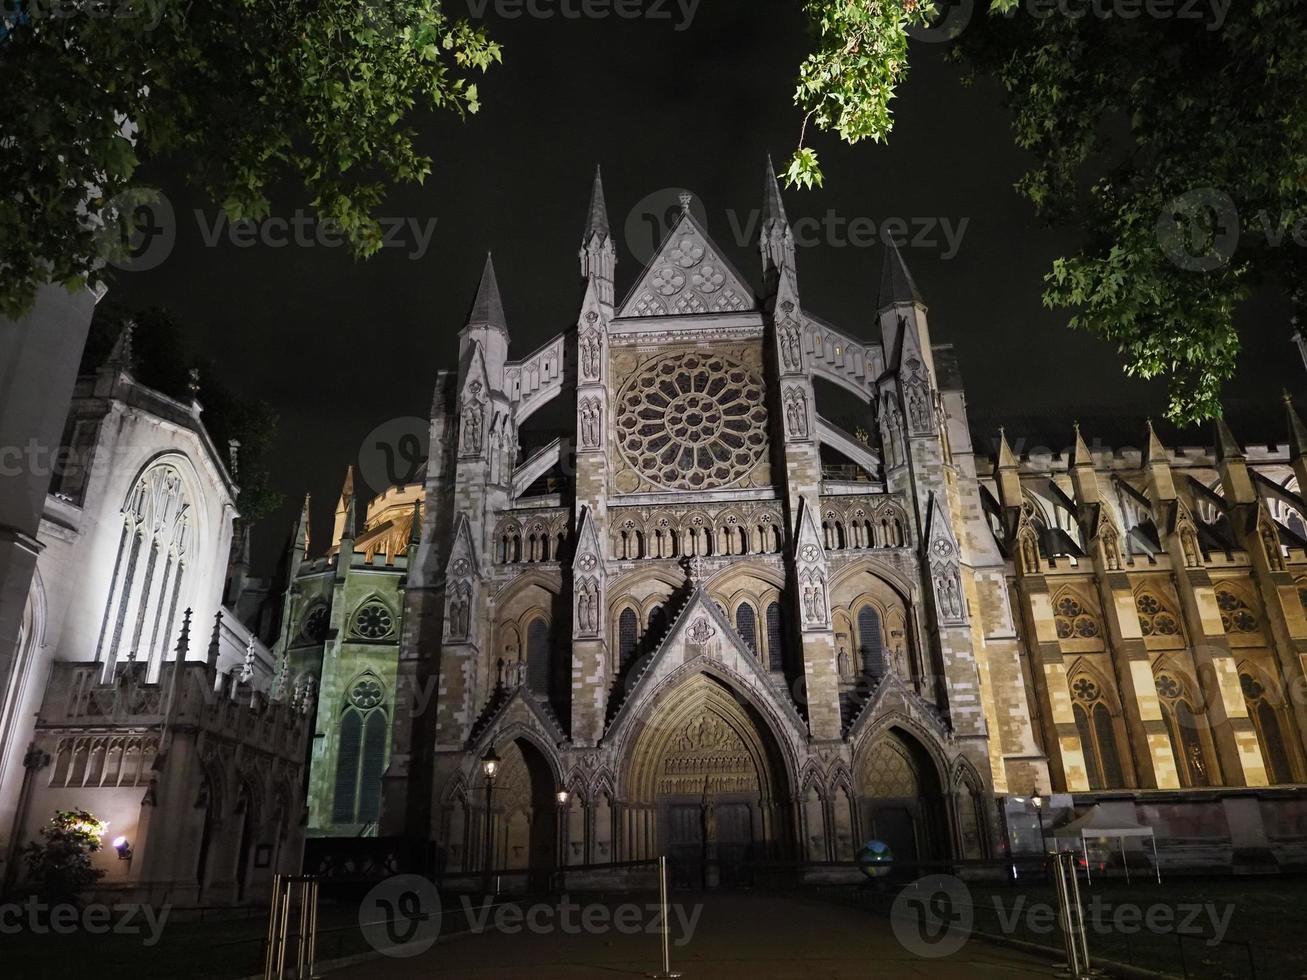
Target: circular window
x: 366, y: 694
x: 314, y: 628
x: 692, y: 421
x: 373, y: 621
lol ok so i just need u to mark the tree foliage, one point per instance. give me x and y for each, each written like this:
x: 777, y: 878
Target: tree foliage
x: 244, y: 95
x: 59, y: 865
x: 1176, y: 144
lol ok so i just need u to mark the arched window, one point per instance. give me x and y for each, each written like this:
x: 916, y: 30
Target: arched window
x: 537, y: 656
x: 628, y: 636
x: 1182, y: 724
x: 775, y: 638
x: 361, y: 754
x: 1097, y: 734
x: 1236, y: 615
x: 746, y: 624
x: 1073, y: 618
x: 1269, y: 734
x: 871, y: 649
x: 148, y: 571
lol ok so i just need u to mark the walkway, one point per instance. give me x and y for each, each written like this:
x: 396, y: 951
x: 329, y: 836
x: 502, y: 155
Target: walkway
x: 732, y: 936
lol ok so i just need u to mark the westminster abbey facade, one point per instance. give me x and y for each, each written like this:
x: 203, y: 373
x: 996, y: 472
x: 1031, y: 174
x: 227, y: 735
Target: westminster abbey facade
x: 717, y: 618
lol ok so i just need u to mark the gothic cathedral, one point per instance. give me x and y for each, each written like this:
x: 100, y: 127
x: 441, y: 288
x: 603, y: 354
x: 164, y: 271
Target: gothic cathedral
x: 708, y: 619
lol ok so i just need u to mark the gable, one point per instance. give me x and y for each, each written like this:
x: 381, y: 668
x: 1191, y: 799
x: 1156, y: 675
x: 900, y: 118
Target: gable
x: 689, y: 275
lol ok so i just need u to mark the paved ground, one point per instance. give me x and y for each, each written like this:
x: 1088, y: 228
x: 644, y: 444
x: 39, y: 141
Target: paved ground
x: 734, y: 936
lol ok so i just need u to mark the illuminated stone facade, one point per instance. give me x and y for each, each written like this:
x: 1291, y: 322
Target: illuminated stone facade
x: 729, y: 626
x: 198, y: 770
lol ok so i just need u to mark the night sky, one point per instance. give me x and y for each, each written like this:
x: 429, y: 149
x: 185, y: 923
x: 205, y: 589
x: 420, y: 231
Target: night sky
x: 339, y: 346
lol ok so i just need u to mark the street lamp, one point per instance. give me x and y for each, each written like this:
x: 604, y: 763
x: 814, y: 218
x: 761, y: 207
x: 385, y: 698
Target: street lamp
x: 489, y: 766
x: 563, y: 796
x: 1038, y: 800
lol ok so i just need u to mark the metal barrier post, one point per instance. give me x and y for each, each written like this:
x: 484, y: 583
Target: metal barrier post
x: 666, y: 971
x: 1079, y: 910
x: 274, y: 912
x: 1072, y: 967
x: 306, y: 951
x: 313, y: 931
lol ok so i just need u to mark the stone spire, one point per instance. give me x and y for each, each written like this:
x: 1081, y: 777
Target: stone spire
x: 488, y: 308
x: 344, y: 510
x: 121, y: 356
x: 1158, y: 464
x: 1080, y: 454
x: 215, y: 640
x: 1297, y: 444
x: 1155, y: 452
x: 897, y: 286
x: 597, y: 218
x: 1227, y: 447
x: 776, y: 240
x: 1083, y: 477
x: 598, y: 254
x: 1236, y: 481
x: 301, y: 545
x: 179, y: 665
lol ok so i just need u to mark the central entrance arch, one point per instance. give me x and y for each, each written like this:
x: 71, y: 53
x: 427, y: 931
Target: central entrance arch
x: 709, y: 772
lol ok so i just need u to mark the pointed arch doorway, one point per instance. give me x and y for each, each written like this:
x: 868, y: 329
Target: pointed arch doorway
x: 901, y: 799
x: 709, y: 784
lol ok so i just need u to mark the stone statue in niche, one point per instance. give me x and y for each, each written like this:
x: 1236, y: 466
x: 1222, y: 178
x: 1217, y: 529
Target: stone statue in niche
x: 590, y: 345
x: 796, y: 413
x: 590, y: 423
x: 472, y: 429
x: 790, y: 354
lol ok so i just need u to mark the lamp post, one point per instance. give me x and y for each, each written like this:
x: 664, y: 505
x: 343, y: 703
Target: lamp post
x: 490, y: 767
x: 1038, y: 800
x: 563, y: 796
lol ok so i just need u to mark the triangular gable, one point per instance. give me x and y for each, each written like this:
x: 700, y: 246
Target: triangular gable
x: 588, y: 556
x: 462, y: 549
x: 943, y: 557
x: 689, y: 275
x: 700, y: 632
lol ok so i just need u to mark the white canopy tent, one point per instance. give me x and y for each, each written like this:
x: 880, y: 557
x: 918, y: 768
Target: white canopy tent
x: 1098, y: 824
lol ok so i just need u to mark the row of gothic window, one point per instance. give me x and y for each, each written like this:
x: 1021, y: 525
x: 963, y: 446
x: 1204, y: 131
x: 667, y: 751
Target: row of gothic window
x: 1099, y: 726
x: 371, y: 621
x: 538, y: 544
x: 1074, y: 620
x: 863, y: 532
x: 665, y: 540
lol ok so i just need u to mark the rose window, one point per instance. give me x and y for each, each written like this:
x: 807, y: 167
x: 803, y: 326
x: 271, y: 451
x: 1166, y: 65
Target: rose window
x: 315, y: 624
x: 366, y: 694
x: 373, y: 621
x: 692, y: 421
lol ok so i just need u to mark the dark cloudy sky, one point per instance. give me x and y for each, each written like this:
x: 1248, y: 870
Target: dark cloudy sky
x: 339, y: 346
